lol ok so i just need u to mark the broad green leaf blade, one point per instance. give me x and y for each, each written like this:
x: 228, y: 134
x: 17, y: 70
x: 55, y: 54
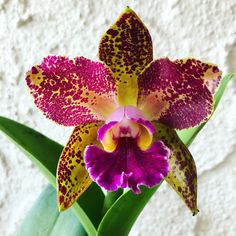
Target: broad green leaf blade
x: 187, y: 136
x: 44, y: 218
x: 121, y: 216
x: 44, y: 153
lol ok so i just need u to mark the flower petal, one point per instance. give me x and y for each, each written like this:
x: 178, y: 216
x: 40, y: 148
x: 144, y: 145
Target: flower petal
x: 72, y: 92
x: 127, y: 166
x: 72, y: 176
x: 208, y: 72
x: 182, y: 175
x: 105, y: 136
x: 126, y: 48
x: 177, y: 93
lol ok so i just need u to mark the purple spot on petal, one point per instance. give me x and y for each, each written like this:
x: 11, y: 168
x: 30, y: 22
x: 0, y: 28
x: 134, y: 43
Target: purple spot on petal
x: 34, y: 70
x: 112, y: 32
x: 125, y: 130
x: 215, y: 69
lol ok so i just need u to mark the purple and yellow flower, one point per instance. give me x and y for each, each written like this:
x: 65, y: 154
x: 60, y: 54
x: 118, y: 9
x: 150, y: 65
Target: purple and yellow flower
x: 126, y: 108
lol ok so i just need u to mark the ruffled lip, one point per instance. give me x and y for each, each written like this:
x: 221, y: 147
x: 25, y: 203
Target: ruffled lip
x: 127, y: 166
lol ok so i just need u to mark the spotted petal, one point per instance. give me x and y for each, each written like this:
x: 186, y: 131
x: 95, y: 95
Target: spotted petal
x: 182, y: 175
x: 127, y: 49
x: 72, y: 92
x: 178, y: 93
x: 127, y: 166
x: 72, y: 177
x: 208, y: 72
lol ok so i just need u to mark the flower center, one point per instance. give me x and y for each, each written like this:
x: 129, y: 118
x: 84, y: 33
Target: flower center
x: 125, y: 128
x: 126, y: 121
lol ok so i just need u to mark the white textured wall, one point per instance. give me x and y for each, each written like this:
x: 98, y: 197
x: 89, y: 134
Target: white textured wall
x: 30, y: 30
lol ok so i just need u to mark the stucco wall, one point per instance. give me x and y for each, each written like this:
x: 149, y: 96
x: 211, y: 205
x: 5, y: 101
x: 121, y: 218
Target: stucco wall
x: 30, y: 30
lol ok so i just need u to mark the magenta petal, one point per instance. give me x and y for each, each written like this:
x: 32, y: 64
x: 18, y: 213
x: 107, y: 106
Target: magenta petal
x: 72, y: 92
x: 127, y: 166
x: 178, y: 93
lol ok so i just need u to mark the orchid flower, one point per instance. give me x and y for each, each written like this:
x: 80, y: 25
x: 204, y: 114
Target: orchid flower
x: 126, y: 108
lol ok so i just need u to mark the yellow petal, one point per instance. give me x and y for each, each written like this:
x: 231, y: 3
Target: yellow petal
x: 182, y: 175
x: 72, y: 176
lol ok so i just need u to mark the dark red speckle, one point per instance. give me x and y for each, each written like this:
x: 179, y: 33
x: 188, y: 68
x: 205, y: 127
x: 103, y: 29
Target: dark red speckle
x: 215, y: 69
x: 63, y: 189
x: 112, y: 32
x: 34, y: 70
x: 61, y: 199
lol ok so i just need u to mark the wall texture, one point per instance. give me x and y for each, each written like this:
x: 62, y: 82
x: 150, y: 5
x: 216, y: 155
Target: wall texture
x: 30, y: 30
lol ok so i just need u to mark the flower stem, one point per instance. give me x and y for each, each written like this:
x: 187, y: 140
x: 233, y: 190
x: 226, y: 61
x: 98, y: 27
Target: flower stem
x: 110, y: 198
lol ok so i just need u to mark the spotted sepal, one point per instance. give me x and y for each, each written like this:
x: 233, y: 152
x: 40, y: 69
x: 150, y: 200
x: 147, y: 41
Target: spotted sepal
x: 182, y: 175
x: 126, y: 48
x: 72, y: 176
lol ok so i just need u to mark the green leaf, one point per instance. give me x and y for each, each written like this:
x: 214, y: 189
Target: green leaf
x: 120, y: 218
x: 45, y: 153
x: 123, y: 213
x: 110, y: 198
x: 44, y: 218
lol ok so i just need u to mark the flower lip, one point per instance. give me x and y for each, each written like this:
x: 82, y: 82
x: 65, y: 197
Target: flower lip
x: 127, y: 165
